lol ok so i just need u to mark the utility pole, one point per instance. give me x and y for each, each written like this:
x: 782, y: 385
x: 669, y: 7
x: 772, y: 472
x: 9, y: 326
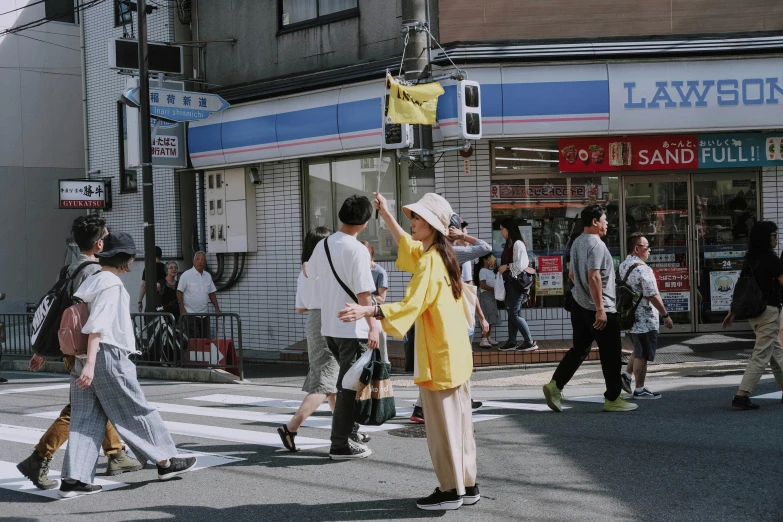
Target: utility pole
x: 146, y: 161
x: 416, y: 64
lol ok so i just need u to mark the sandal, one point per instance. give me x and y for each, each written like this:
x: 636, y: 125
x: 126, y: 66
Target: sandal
x: 287, y: 437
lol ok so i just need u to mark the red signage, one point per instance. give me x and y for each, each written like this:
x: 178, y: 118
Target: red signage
x: 628, y: 153
x: 550, y: 264
x: 547, y: 192
x: 672, y: 279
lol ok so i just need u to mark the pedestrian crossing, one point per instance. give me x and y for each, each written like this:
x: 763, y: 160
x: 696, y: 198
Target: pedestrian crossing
x: 192, y: 422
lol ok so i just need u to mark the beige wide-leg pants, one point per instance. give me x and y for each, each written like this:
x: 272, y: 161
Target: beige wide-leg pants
x: 449, y: 424
x: 766, y: 350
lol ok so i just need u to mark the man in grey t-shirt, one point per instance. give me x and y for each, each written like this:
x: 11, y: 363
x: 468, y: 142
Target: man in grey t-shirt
x: 593, y: 313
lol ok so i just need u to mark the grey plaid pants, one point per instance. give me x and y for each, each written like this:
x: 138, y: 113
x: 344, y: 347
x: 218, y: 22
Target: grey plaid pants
x: 114, y: 393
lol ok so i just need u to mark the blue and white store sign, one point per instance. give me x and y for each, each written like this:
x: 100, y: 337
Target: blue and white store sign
x: 694, y: 96
x: 556, y: 100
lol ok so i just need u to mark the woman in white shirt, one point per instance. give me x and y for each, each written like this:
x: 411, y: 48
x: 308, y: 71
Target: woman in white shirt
x: 104, y: 384
x: 484, y: 278
x: 321, y: 380
x: 514, y: 261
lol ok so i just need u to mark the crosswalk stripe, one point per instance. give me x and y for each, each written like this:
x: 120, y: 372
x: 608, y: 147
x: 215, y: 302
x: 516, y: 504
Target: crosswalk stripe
x: 31, y: 436
x: 222, y: 398
x: 204, y: 431
x: 11, y: 479
x: 774, y: 395
x: 32, y: 389
x: 526, y: 406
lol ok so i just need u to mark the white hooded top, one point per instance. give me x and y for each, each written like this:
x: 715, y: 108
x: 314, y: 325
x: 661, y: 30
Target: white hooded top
x: 109, y: 305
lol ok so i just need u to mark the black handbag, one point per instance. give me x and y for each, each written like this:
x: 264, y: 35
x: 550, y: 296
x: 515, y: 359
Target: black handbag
x: 522, y: 282
x: 374, y: 397
x: 568, y: 300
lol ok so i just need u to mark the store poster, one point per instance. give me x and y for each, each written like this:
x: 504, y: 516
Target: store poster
x: 722, y: 284
x: 667, y: 152
x: 674, y: 286
x: 549, y: 280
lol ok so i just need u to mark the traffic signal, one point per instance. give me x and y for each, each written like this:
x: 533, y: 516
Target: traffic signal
x: 395, y: 135
x: 469, y: 101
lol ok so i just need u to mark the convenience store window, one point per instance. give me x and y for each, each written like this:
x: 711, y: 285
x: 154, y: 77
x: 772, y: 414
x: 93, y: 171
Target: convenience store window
x: 329, y: 181
x: 546, y: 205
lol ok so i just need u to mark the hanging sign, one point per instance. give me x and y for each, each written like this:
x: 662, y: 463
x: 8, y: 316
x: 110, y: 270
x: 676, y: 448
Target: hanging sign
x: 549, y: 280
x: 722, y: 289
x: 413, y: 103
x: 82, y: 193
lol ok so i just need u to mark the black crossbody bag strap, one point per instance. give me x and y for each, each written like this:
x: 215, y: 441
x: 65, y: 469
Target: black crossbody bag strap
x: 345, y: 287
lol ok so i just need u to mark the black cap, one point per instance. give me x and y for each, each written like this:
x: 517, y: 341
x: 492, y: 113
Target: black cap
x: 117, y: 243
x: 356, y: 210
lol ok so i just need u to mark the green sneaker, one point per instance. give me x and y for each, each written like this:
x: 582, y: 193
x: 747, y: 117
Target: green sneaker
x: 619, y: 404
x: 553, y: 396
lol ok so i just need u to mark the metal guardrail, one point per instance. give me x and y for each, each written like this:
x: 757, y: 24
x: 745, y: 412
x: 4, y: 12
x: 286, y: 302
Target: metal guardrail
x: 17, y: 334
x: 161, y: 339
x: 209, y: 338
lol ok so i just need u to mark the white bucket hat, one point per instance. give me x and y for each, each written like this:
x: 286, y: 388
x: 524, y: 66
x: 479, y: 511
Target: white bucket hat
x: 433, y: 209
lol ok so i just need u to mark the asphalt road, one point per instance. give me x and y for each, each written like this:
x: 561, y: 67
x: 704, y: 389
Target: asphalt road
x: 686, y: 457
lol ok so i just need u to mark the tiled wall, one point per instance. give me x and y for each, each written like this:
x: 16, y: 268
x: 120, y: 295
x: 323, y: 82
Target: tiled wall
x: 104, y: 87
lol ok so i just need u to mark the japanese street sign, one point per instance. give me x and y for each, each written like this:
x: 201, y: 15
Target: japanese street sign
x: 82, y: 193
x: 179, y: 105
x: 169, y: 143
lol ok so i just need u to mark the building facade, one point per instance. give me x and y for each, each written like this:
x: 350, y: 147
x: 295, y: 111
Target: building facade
x: 676, y: 134
x: 41, y: 142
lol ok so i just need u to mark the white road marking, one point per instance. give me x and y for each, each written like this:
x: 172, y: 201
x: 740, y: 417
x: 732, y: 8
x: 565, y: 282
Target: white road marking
x: 222, y: 398
x: 598, y: 399
x: 11, y: 479
x: 526, y: 406
x: 33, y: 389
x: 204, y: 431
x: 774, y: 395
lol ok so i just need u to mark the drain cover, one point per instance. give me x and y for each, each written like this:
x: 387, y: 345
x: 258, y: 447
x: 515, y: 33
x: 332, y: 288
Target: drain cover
x: 412, y: 432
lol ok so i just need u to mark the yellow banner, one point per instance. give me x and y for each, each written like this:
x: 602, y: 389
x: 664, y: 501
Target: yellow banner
x: 413, y: 104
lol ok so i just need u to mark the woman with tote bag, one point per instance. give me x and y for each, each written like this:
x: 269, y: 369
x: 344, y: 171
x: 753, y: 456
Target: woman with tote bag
x: 443, y: 358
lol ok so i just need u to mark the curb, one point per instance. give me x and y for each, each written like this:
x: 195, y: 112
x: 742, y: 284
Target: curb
x: 142, y: 372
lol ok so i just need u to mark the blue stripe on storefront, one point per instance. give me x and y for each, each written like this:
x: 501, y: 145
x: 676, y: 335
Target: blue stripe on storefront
x: 509, y: 100
x: 555, y: 98
x: 359, y: 115
x: 252, y: 131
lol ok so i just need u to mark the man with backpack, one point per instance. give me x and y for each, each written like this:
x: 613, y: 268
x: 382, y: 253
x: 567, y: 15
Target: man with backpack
x: 88, y: 232
x: 642, y: 306
x: 593, y: 314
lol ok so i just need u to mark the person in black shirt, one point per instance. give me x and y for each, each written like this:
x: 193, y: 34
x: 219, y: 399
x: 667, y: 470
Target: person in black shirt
x: 160, y: 273
x: 167, y: 288
x: 768, y: 271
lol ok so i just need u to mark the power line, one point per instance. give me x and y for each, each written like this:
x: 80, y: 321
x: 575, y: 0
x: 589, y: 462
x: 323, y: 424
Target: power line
x: 20, y: 8
x: 44, y: 41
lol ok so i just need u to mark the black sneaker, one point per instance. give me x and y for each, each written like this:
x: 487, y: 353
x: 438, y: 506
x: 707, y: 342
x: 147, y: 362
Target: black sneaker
x: 77, y: 489
x: 475, y: 405
x: 361, y: 438
x: 418, y: 415
x: 625, y: 382
x: 440, y: 501
x: 3, y: 380
x: 471, y: 495
x: 528, y: 346
x: 177, y: 466
x: 510, y: 345
x: 743, y: 402
x: 350, y: 452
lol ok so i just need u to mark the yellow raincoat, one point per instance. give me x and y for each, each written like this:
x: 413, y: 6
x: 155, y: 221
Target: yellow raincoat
x: 443, y: 357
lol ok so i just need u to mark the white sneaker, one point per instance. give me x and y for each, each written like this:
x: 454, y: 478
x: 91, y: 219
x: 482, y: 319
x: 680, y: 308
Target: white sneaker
x: 493, y: 342
x: 485, y: 343
x: 646, y: 394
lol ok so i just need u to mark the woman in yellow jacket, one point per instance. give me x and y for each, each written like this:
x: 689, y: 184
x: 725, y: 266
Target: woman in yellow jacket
x: 443, y: 356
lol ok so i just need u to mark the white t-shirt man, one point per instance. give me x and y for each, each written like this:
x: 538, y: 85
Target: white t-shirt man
x: 352, y: 263
x: 195, y: 288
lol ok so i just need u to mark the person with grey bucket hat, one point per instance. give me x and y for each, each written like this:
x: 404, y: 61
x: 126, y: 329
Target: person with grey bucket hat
x: 104, y: 383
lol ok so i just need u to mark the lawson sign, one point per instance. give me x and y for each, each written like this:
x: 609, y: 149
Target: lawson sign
x: 736, y: 94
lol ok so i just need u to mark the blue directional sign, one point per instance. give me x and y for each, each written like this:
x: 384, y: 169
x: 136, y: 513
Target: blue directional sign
x: 179, y: 105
